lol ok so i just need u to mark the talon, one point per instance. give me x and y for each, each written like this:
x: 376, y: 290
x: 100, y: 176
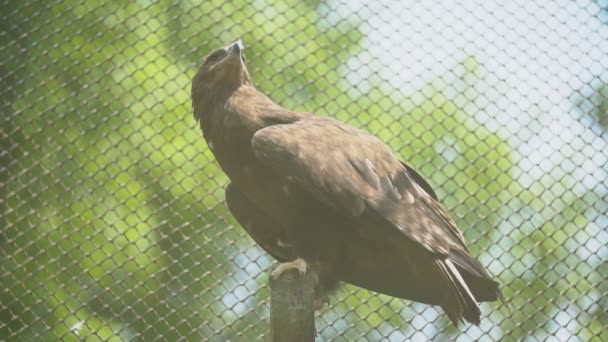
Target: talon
x: 319, y: 303
x: 299, y: 264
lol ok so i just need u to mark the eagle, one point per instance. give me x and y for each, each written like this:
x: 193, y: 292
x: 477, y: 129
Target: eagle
x: 322, y: 196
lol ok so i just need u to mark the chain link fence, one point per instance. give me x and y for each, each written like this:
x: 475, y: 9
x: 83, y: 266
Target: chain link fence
x: 113, y: 221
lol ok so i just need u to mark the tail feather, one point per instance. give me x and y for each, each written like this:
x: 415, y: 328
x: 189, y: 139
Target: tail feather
x: 484, y: 289
x: 458, y: 302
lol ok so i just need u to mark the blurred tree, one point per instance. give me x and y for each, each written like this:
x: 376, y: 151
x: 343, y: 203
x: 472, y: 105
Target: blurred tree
x: 114, y: 222
x: 555, y: 261
x: 597, y: 101
x: 113, y: 214
x: 591, y: 109
x: 594, y: 103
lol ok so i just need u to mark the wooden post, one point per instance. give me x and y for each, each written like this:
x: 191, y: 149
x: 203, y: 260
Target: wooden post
x: 292, y: 316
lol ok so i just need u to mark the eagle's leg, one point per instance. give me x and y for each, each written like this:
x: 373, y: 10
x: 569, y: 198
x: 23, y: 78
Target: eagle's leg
x: 299, y: 264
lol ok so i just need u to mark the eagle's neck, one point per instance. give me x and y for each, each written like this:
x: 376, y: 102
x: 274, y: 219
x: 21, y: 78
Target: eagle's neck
x: 229, y: 124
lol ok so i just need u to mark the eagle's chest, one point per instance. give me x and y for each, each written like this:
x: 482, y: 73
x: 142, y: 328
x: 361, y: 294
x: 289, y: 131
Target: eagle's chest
x: 270, y: 193
x: 306, y: 223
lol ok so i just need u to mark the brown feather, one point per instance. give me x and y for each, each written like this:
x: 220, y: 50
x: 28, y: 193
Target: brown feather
x: 311, y: 187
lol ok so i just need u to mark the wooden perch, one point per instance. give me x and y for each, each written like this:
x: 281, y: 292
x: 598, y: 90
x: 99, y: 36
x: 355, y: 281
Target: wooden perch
x: 291, y: 307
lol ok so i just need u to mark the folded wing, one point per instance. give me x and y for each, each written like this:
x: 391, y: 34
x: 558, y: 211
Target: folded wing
x: 355, y: 173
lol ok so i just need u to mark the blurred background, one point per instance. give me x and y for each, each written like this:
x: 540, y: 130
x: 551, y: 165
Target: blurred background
x: 113, y: 224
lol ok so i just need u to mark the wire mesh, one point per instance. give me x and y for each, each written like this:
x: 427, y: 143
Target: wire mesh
x: 113, y: 220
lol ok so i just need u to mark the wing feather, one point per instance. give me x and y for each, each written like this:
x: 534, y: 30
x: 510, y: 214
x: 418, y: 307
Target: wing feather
x: 264, y: 230
x: 359, y: 174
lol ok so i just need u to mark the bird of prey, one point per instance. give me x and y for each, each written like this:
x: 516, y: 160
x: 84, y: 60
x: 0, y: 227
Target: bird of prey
x: 318, y: 194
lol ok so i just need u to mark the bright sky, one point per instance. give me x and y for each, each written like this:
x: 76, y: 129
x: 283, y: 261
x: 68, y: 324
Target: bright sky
x: 533, y: 56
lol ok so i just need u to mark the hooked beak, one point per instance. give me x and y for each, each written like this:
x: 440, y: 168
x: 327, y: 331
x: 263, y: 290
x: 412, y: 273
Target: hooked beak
x: 236, y: 52
x: 236, y: 48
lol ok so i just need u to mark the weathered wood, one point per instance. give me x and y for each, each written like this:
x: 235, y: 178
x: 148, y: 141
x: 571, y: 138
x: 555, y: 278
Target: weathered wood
x: 291, y: 307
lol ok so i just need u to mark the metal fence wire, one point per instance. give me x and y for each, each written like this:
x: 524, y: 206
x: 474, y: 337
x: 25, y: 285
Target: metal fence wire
x: 113, y: 220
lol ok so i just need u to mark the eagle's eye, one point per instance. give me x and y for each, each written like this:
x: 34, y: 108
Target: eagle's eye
x: 215, y: 56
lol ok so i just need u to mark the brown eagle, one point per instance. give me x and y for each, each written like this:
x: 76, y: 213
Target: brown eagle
x: 317, y: 193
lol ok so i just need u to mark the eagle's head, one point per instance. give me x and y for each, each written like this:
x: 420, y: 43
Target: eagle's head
x: 221, y: 74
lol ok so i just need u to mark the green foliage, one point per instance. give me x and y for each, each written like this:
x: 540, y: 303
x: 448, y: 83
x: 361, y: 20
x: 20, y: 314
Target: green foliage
x: 555, y: 261
x: 113, y: 222
x: 114, y: 216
